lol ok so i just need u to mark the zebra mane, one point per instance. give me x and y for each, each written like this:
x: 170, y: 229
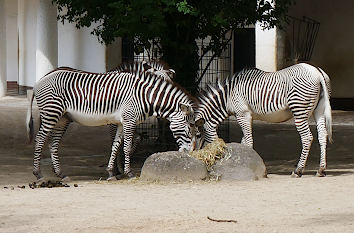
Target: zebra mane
x: 139, y: 65
x: 157, y: 67
x: 148, y: 76
x: 212, y: 88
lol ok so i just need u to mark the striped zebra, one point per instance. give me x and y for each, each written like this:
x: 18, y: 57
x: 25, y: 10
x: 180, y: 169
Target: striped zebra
x: 297, y: 91
x: 156, y: 67
x: 92, y: 99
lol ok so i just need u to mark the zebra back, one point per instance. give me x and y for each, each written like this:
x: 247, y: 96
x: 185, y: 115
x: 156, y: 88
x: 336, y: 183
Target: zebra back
x: 158, y: 68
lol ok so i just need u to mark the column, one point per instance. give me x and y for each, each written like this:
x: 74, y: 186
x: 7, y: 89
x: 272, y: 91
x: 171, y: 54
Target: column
x: 3, y: 83
x: 47, y: 39
x: 266, y: 48
x: 11, y: 40
x: 27, y: 25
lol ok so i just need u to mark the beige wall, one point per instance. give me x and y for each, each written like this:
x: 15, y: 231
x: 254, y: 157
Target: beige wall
x: 334, y: 48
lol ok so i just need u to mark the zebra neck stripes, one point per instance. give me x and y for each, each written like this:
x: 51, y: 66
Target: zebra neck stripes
x: 213, y: 108
x: 297, y: 91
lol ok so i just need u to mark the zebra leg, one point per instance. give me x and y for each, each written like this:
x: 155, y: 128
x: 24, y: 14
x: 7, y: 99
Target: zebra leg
x: 322, y: 139
x: 302, y: 126
x: 115, y: 147
x: 117, y: 166
x: 54, y: 140
x: 128, y: 131
x: 245, y: 123
x: 120, y: 156
x: 41, y: 137
x: 39, y: 142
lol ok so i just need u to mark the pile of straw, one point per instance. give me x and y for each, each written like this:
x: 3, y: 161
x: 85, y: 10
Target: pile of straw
x: 210, y: 153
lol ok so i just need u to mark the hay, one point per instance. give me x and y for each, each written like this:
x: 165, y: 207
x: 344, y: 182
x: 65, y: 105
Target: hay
x: 210, y: 153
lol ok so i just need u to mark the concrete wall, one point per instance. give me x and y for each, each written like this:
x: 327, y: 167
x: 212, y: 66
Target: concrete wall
x: 11, y: 40
x: 114, y: 54
x: 334, y: 48
x: 266, y: 49
x: 80, y: 49
x: 27, y: 28
x: 46, y: 39
x: 44, y: 43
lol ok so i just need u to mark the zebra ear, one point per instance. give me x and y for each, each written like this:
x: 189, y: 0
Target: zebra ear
x: 171, y: 73
x: 146, y: 66
x: 187, y: 109
x: 200, y: 122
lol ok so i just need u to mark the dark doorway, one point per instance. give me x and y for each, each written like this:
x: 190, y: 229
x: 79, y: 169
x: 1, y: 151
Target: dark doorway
x: 244, y: 48
x: 127, y: 50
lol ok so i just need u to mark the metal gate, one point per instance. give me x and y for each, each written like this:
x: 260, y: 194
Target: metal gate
x: 303, y: 37
x: 211, y: 68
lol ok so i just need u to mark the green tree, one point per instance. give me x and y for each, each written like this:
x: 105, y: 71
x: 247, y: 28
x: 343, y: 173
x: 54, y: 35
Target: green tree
x: 173, y: 25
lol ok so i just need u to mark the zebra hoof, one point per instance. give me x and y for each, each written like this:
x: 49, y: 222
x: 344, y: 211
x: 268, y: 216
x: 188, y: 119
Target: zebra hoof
x: 129, y: 176
x: 66, y: 179
x: 296, y: 174
x: 111, y: 178
x: 38, y: 175
x: 321, y: 173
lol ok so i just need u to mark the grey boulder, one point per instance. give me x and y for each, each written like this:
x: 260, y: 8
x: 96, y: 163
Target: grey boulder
x: 173, y: 166
x: 240, y: 163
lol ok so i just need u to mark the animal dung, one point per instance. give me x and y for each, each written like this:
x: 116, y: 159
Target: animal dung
x: 48, y: 184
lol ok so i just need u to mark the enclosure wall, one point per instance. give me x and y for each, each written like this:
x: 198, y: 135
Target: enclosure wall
x: 334, y: 47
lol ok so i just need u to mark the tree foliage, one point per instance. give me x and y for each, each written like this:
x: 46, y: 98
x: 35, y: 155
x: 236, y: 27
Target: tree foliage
x: 172, y: 25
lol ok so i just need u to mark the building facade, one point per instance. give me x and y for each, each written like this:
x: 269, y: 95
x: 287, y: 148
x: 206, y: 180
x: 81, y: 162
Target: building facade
x: 32, y: 43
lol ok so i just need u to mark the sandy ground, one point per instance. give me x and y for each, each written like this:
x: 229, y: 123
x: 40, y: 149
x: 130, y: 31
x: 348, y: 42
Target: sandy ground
x: 276, y: 204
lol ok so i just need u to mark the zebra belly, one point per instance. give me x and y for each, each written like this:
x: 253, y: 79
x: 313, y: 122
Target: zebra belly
x: 89, y: 119
x: 274, y: 117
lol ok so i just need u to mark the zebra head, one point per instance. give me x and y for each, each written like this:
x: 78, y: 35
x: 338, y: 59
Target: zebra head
x: 210, y: 113
x: 205, y: 132
x: 183, y: 127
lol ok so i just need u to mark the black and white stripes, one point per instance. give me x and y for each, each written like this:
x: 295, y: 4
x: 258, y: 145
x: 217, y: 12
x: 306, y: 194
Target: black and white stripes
x: 297, y: 91
x: 120, y: 98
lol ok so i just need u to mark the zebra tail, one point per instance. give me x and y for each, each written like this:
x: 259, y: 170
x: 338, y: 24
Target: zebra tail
x: 29, y: 118
x: 328, y: 109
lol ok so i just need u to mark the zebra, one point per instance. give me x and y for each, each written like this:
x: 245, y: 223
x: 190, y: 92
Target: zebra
x: 92, y: 99
x: 156, y: 67
x: 294, y: 92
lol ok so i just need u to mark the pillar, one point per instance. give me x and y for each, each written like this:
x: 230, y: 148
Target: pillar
x: 266, y: 48
x: 3, y: 83
x: 27, y: 25
x: 11, y: 40
x: 47, y: 39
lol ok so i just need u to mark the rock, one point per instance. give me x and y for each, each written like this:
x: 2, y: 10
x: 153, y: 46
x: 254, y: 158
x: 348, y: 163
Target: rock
x: 173, y: 166
x: 240, y: 163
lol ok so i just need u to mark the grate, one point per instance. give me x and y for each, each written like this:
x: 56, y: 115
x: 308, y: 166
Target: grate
x: 211, y: 68
x: 304, y: 34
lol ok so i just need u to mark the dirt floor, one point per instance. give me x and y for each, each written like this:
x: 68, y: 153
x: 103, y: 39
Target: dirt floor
x: 276, y: 204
